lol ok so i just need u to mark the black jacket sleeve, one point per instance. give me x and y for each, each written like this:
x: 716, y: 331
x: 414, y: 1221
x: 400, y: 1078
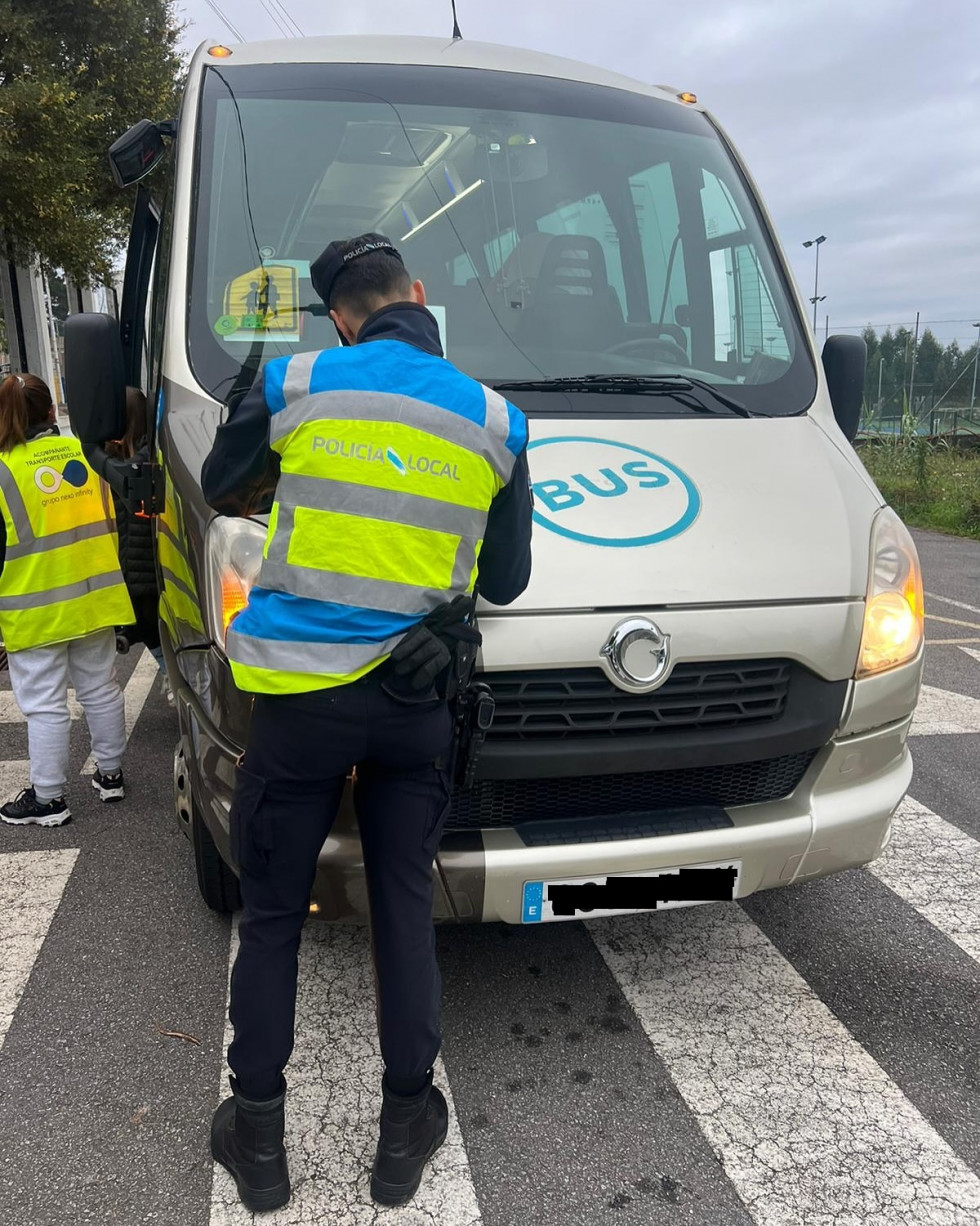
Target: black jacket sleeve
x: 239, y: 476
x: 505, y: 560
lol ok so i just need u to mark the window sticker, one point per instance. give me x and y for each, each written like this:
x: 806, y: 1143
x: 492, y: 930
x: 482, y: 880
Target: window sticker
x: 263, y: 303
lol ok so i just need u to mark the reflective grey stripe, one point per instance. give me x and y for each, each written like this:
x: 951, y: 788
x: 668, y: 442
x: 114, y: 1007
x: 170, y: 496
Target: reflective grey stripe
x: 391, y: 407
x: 382, y: 594
x: 340, y: 659
x: 164, y: 530
x: 349, y: 499
x: 55, y: 595
x: 169, y: 577
x: 278, y: 544
x: 15, y: 505
x: 299, y: 368
x: 498, y: 416
x: 58, y: 540
x: 463, y: 565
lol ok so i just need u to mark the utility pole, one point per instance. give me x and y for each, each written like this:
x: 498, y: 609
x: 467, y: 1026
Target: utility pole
x: 915, y: 350
x: 815, y: 242
x: 826, y: 329
x: 881, y: 368
x: 52, y: 331
x: 976, y: 354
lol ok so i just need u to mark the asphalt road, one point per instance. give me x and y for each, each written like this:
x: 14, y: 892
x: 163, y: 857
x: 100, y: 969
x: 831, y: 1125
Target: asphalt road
x: 806, y: 1058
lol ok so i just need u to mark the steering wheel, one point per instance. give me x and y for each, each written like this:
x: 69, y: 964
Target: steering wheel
x: 662, y: 350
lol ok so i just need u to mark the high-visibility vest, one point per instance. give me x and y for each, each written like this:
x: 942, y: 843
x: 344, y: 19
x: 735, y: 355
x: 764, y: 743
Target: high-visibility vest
x: 390, y: 458
x: 61, y: 578
x: 179, y: 600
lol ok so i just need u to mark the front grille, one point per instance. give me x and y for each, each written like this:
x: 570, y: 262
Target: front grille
x: 582, y: 702
x: 506, y: 802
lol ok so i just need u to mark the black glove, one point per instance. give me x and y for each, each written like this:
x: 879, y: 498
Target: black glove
x: 421, y: 657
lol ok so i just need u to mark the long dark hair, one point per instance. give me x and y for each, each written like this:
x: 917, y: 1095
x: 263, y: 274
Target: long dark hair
x: 126, y: 447
x: 25, y: 401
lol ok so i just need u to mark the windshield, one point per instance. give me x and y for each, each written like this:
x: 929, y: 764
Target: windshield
x: 560, y: 229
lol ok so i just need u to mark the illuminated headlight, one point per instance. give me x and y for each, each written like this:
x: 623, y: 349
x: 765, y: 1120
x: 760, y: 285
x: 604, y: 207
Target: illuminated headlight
x: 233, y: 548
x: 893, y: 614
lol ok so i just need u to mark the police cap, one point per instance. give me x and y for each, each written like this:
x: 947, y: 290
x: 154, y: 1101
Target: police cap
x: 332, y: 261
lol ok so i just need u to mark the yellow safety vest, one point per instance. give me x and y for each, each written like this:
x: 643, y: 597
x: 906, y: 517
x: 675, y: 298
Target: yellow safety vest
x: 179, y: 601
x: 390, y: 459
x: 61, y: 578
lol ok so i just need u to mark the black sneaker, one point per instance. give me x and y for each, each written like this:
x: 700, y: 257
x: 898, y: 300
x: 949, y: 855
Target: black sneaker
x: 109, y: 786
x: 27, y: 810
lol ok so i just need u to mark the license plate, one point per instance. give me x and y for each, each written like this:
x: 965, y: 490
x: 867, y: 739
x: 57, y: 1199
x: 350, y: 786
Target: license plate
x: 661, y: 889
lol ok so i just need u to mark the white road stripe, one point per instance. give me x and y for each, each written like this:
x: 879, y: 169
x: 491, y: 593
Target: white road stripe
x: 31, y: 885
x: 971, y: 651
x: 10, y: 713
x: 944, y: 711
x: 957, y: 604
x: 952, y: 621
x: 14, y: 776
x: 810, y: 1129
x: 137, y: 691
x: 333, y: 1103
x: 935, y: 867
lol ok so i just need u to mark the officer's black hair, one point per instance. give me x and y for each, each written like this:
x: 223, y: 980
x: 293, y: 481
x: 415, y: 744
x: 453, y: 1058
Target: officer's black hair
x: 369, y: 282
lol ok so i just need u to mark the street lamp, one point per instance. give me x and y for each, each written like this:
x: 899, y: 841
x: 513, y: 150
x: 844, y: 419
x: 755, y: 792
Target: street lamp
x: 815, y: 242
x: 976, y: 355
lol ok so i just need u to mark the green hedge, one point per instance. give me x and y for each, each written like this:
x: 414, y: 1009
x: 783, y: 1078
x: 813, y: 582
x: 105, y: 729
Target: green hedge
x: 931, y: 485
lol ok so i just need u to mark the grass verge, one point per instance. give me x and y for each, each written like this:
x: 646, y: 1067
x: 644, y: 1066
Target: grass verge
x: 930, y: 484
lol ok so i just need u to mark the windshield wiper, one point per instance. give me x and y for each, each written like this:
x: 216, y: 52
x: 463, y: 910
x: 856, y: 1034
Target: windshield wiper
x: 686, y: 389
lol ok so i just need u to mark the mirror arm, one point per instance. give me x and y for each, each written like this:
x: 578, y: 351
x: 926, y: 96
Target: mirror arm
x: 138, y: 485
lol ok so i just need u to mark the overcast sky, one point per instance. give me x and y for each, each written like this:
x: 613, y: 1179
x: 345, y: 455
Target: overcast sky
x: 860, y: 119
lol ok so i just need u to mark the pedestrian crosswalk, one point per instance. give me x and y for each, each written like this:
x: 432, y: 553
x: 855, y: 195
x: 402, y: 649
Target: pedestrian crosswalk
x: 806, y: 1124
x: 31, y: 885
x: 935, y: 868
x: 800, y: 1123
x: 334, y: 1077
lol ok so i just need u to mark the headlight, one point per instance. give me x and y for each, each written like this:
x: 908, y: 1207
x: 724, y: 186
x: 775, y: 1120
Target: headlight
x: 233, y: 548
x: 893, y: 615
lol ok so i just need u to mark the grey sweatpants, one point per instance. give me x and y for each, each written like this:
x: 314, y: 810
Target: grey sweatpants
x: 39, y: 678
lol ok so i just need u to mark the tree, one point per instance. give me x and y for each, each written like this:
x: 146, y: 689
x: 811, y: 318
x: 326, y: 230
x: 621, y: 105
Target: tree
x: 74, y: 74
x: 927, y: 360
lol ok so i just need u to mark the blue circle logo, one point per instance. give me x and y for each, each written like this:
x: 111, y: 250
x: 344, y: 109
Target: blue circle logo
x: 609, y: 493
x: 75, y: 473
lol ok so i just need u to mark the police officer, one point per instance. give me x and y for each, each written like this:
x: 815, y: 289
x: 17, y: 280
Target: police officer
x: 398, y: 482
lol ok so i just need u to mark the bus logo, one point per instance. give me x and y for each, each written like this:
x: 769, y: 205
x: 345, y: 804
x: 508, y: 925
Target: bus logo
x: 608, y: 493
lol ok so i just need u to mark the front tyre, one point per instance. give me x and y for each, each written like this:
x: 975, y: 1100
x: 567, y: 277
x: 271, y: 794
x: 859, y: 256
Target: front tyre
x: 216, y: 881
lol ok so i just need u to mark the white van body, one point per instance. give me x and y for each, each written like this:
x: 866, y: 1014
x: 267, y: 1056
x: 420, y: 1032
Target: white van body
x: 747, y: 543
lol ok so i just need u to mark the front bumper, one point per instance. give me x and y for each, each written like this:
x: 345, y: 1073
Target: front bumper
x: 838, y: 817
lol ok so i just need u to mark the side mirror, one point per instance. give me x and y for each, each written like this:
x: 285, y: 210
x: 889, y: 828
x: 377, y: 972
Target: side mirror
x: 95, y: 384
x: 845, y: 359
x: 136, y: 152
x: 95, y: 387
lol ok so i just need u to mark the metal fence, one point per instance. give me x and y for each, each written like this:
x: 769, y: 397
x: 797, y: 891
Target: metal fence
x: 932, y: 423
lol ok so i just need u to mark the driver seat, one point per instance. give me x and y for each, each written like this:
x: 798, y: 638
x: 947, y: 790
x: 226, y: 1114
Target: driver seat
x: 573, y: 305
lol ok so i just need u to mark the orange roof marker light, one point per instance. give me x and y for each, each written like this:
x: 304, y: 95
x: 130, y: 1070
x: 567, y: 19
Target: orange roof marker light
x: 688, y: 97
x: 219, y: 52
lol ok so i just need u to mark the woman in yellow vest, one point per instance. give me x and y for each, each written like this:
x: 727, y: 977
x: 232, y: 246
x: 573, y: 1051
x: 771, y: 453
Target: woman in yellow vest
x: 61, y: 595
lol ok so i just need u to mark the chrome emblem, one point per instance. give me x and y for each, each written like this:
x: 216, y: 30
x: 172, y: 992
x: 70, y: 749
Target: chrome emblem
x: 637, y: 653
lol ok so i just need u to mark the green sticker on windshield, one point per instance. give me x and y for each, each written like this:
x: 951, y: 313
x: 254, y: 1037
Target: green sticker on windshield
x: 225, y: 325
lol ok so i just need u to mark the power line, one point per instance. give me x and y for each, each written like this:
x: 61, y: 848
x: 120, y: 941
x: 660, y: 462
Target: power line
x: 212, y: 5
x: 288, y: 17
x: 283, y: 30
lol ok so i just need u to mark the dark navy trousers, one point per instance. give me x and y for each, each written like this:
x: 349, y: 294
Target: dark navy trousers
x: 300, y: 751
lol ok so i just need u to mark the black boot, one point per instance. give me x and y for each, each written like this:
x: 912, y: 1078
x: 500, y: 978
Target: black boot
x: 412, y: 1129
x: 246, y: 1138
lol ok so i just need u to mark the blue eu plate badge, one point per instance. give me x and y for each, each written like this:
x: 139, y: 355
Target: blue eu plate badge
x: 624, y: 893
